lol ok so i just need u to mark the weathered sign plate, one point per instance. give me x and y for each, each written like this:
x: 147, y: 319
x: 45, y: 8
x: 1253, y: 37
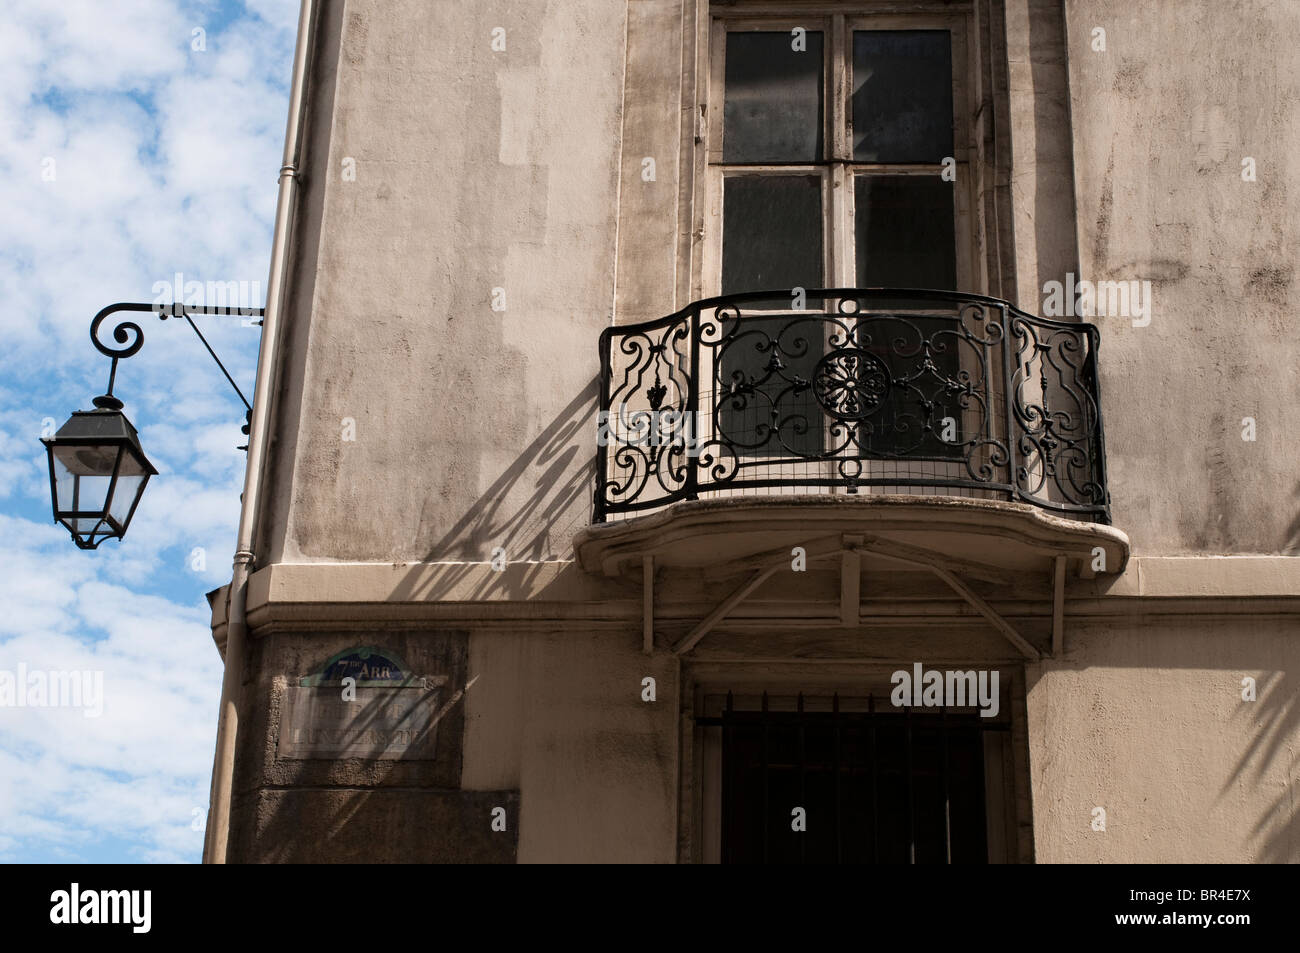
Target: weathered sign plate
x: 362, y: 703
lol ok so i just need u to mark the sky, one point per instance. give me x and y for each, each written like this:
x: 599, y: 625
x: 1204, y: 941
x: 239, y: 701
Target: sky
x: 138, y: 139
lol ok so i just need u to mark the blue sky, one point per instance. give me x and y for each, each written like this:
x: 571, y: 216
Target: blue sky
x: 126, y: 155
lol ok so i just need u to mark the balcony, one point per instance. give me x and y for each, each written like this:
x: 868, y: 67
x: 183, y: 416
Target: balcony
x: 896, y: 439
x: 853, y: 392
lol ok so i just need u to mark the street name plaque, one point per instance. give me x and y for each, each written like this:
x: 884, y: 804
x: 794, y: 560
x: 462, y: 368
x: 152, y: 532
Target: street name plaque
x: 363, y: 703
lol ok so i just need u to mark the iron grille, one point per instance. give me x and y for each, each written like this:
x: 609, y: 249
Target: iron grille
x: 887, y: 786
x: 884, y: 390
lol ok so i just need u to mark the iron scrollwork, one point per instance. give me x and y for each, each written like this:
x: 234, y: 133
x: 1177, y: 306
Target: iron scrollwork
x: 902, y: 390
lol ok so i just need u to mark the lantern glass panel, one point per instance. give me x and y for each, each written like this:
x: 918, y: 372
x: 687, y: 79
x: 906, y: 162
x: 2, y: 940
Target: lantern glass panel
x: 83, y: 476
x: 130, y: 483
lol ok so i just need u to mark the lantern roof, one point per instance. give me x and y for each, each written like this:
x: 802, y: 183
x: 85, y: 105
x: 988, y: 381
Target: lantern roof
x: 103, y: 425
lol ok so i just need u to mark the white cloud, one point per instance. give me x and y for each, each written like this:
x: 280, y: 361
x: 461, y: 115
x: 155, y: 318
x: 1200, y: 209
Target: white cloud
x: 165, y: 160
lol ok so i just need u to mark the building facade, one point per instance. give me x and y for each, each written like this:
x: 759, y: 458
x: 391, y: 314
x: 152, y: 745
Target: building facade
x: 782, y: 431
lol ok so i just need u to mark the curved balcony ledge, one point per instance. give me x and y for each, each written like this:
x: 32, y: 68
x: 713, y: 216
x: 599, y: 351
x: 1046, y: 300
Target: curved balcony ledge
x: 994, y: 540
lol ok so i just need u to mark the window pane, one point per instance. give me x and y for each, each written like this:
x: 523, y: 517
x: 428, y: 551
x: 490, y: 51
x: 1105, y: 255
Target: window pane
x: 771, y: 240
x: 879, y: 787
x: 902, y: 95
x: 905, y: 238
x: 771, y: 232
x: 904, y: 230
x: 773, y: 109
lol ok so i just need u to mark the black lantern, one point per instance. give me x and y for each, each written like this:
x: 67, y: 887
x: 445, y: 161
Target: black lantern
x: 97, y: 473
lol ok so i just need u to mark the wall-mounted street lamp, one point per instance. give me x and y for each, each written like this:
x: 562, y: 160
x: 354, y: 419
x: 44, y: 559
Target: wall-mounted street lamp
x: 98, y: 470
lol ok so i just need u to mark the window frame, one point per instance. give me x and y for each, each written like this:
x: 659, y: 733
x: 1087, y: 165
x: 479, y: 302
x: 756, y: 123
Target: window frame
x: 1004, y: 768
x: 837, y: 167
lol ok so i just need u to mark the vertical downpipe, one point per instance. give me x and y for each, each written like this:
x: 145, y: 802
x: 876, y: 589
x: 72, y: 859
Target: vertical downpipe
x: 223, y: 766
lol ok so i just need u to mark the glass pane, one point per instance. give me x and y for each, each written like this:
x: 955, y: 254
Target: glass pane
x: 902, y: 95
x: 906, y: 238
x: 773, y: 109
x: 771, y: 232
x: 124, y: 495
x: 771, y: 240
x: 82, y: 476
x: 87, y: 459
x: 905, y: 233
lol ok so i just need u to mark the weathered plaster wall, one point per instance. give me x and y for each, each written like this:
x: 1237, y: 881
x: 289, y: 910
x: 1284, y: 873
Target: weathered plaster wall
x: 1038, y: 103
x: 1148, y: 722
x: 552, y: 727
x: 560, y: 717
x: 478, y: 170
x: 1162, y: 120
x: 474, y: 428
x: 474, y: 170
x: 343, y: 809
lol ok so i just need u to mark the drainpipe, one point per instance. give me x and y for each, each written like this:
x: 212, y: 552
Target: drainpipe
x: 223, y: 764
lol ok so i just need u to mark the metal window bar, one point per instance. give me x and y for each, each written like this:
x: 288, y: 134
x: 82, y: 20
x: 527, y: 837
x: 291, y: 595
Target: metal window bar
x: 909, y: 723
x: 839, y: 821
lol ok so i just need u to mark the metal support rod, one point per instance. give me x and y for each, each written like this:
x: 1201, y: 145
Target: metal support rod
x: 191, y: 323
x: 986, y: 610
x: 947, y: 795
x: 875, y: 797
x: 911, y: 794
x: 803, y: 780
x: 1058, y: 608
x: 129, y: 333
x: 821, y: 548
x: 767, y: 817
x: 839, y: 820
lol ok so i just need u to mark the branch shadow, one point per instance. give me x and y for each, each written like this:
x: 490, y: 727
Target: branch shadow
x: 1291, y: 544
x: 1273, y: 726
x: 556, y: 474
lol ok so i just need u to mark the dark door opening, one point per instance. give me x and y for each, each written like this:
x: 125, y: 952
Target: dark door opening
x: 894, y: 786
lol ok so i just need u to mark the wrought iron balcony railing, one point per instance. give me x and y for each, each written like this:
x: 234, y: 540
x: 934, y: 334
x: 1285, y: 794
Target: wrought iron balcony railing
x: 851, y: 390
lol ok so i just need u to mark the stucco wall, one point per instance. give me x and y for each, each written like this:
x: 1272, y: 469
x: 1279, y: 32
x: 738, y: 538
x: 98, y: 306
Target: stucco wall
x: 474, y: 170
x: 1162, y: 120
x: 560, y: 717
x: 552, y: 727
x: 477, y: 170
x: 1148, y: 722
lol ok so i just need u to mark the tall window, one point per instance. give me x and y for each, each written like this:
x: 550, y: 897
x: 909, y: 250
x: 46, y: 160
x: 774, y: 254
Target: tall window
x: 828, y: 142
x: 838, y: 157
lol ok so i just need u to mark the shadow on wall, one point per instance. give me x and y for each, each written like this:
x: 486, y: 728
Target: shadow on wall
x: 349, y: 809
x: 325, y: 802
x: 1260, y: 785
x: 527, y: 517
x: 1273, y: 726
x: 1291, y: 545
